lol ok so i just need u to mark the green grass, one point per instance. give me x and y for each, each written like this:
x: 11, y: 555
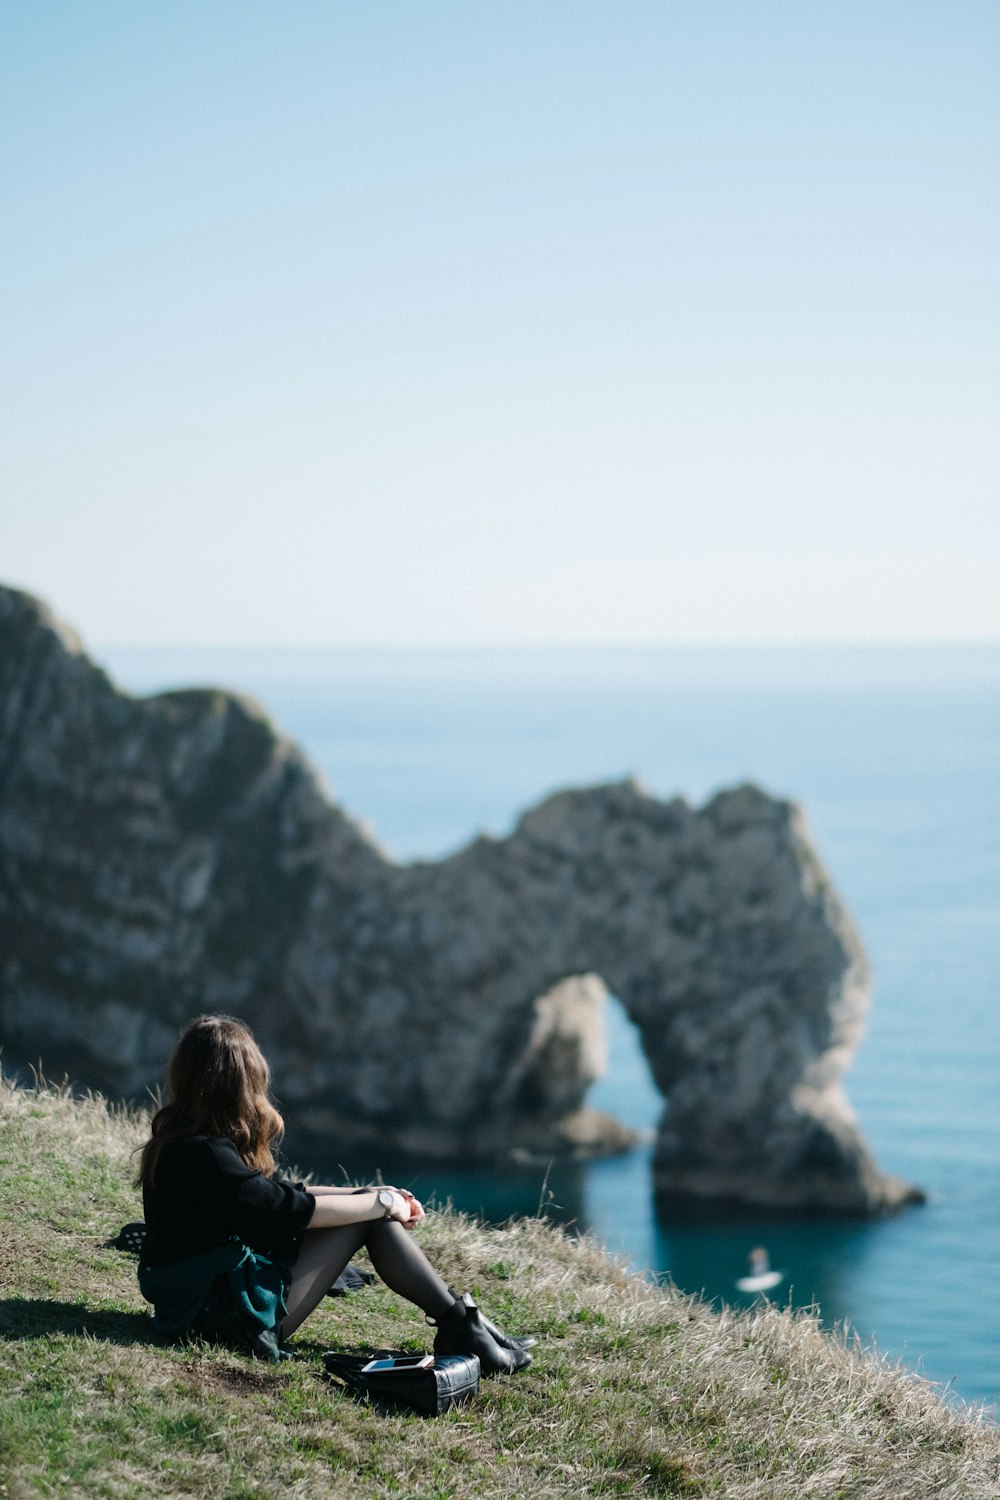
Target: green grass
x: 634, y: 1390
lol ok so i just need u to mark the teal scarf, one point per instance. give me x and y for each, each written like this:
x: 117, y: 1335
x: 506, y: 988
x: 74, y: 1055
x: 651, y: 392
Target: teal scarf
x: 247, y: 1309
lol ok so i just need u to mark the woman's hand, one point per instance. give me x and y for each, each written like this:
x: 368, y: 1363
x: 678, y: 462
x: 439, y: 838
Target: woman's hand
x: 400, y: 1210
x: 416, y: 1208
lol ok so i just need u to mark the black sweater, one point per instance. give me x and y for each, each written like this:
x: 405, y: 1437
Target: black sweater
x: 205, y: 1194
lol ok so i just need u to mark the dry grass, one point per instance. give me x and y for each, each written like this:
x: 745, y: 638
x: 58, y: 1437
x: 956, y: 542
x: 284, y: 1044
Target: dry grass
x: 635, y: 1390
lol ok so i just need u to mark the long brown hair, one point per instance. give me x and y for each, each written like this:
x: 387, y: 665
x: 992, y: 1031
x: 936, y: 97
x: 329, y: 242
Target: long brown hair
x: 218, y: 1086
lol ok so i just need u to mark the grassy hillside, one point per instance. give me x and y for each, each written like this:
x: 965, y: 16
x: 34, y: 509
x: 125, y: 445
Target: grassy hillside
x: 634, y: 1390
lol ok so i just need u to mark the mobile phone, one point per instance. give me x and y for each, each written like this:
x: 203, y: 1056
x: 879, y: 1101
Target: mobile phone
x: 407, y: 1362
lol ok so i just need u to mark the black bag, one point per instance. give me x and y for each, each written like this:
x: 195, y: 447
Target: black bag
x: 430, y: 1387
x: 130, y: 1238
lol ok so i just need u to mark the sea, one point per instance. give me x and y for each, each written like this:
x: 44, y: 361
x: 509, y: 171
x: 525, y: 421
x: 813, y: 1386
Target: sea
x: 894, y: 754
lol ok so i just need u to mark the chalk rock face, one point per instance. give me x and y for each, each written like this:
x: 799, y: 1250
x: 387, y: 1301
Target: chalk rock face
x: 165, y: 856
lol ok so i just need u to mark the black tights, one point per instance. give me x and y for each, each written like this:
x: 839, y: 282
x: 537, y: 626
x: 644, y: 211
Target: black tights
x: 394, y: 1253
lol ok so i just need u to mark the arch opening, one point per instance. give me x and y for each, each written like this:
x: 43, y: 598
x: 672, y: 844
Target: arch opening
x: 627, y: 1090
x: 583, y: 1087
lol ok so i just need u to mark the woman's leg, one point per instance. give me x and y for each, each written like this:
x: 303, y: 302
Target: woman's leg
x: 394, y: 1253
x: 322, y: 1257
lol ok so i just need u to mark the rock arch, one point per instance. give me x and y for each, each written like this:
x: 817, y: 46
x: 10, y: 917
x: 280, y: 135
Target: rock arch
x: 168, y: 855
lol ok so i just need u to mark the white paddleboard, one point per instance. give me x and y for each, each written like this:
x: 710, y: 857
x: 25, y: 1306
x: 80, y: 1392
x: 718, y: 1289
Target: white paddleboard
x: 760, y: 1283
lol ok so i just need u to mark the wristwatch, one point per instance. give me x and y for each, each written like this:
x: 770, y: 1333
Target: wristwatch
x: 388, y: 1202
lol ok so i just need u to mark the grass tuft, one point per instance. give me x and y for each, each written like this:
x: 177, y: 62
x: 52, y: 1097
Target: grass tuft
x: 636, y: 1389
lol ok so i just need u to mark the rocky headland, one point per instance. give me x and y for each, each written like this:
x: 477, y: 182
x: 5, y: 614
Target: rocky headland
x: 169, y: 855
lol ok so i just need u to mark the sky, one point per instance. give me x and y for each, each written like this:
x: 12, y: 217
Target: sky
x: 499, y: 323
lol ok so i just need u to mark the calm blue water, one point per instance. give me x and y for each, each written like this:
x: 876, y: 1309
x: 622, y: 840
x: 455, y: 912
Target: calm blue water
x: 895, y: 755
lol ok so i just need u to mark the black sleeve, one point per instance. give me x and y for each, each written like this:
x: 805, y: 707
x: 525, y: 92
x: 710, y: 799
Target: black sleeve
x: 265, y: 1212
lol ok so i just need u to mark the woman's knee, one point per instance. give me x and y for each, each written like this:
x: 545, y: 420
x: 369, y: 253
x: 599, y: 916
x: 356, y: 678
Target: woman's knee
x: 381, y: 1231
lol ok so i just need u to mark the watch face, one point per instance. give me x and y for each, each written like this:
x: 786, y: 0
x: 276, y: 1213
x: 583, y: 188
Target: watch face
x: 385, y: 1198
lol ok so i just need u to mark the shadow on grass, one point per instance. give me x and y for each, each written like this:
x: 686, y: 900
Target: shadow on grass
x: 39, y: 1317
x: 24, y: 1318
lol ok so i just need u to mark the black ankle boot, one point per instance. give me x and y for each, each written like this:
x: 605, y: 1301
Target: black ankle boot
x: 505, y: 1340
x: 462, y: 1330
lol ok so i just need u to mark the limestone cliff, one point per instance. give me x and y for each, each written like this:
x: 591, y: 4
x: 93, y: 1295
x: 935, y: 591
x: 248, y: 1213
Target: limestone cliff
x: 168, y: 855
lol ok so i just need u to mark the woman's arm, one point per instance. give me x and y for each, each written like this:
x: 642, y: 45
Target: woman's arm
x: 416, y: 1207
x: 333, y: 1210
x: 319, y: 1190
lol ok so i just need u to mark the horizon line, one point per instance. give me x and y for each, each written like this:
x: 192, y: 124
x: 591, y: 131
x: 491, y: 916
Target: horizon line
x: 763, y: 644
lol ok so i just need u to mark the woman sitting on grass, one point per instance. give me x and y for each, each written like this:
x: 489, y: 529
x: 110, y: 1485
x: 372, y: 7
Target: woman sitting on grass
x: 233, y: 1252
